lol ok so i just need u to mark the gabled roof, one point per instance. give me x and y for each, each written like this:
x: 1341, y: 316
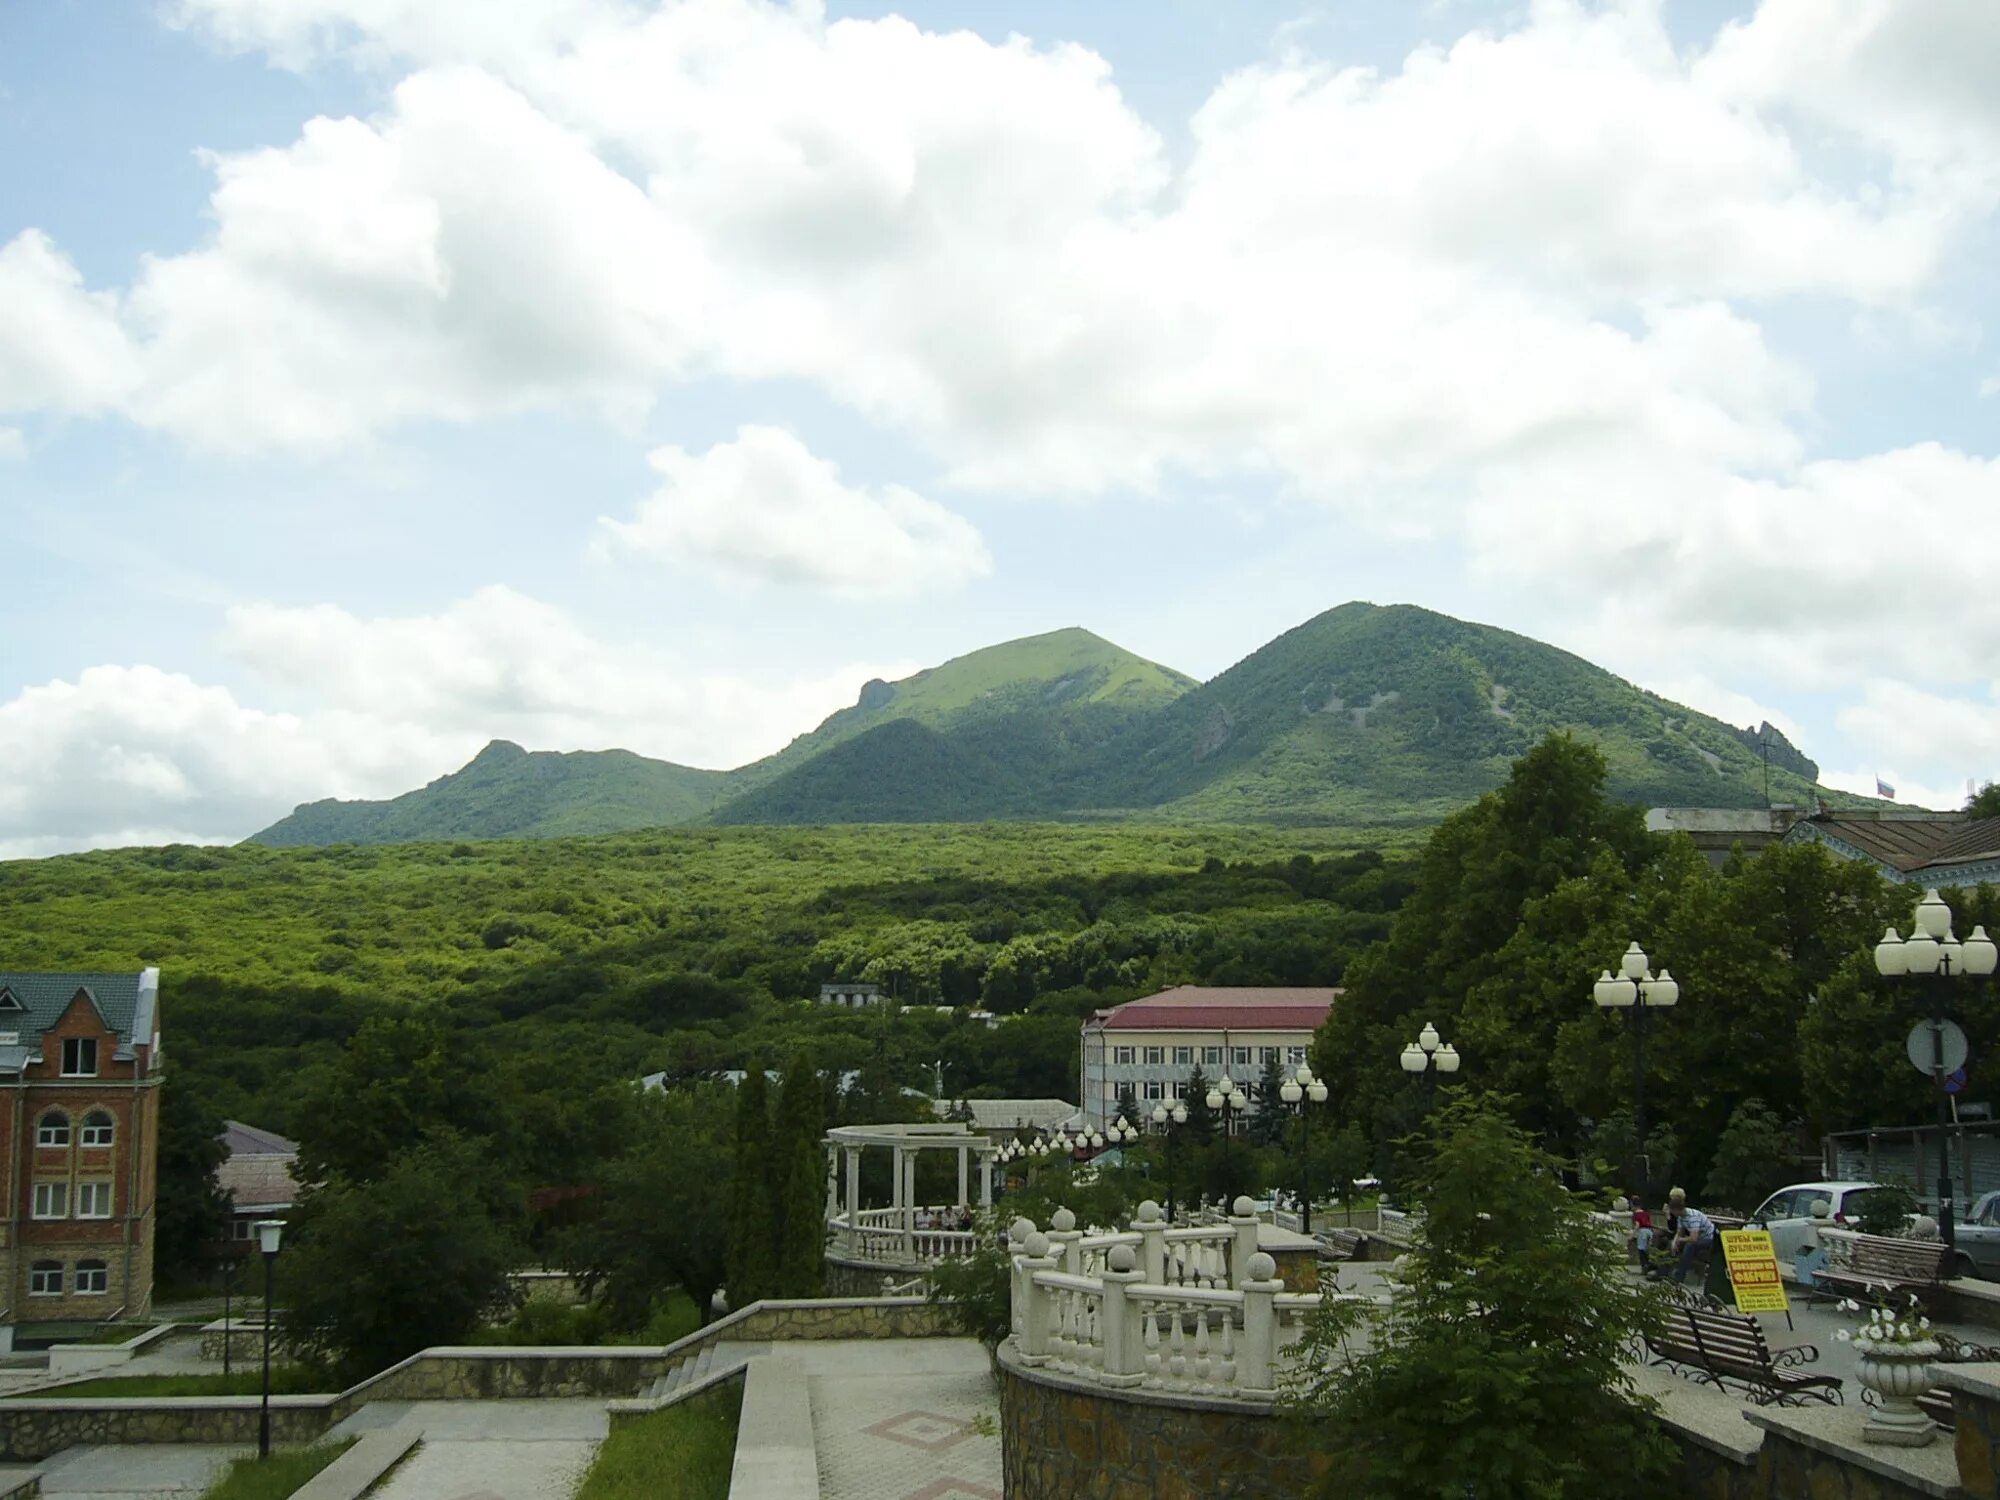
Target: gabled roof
x: 126, y: 1003
x: 1910, y: 844
x: 248, y: 1140
x: 1200, y: 1008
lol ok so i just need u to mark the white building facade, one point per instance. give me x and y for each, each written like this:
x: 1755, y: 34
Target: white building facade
x: 1152, y: 1045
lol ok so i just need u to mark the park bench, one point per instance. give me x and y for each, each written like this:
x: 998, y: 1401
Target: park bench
x: 1718, y: 1346
x: 1881, y: 1266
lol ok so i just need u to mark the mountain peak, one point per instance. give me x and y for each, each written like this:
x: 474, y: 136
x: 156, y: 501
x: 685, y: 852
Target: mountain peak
x: 497, y: 753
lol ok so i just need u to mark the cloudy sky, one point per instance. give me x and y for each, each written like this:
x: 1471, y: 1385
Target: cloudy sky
x: 378, y: 377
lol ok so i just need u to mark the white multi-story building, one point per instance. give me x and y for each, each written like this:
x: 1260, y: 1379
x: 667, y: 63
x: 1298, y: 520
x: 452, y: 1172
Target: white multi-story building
x: 1152, y: 1045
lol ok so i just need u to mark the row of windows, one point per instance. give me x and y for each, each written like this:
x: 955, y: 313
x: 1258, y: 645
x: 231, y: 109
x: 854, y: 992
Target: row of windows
x: 93, y: 1200
x: 1152, y: 1089
x: 45, y: 1278
x: 53, y: 1129
x: 1211, y: 1057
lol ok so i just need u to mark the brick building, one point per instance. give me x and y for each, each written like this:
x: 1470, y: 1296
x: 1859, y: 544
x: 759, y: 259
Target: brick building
x: 79, y: 1144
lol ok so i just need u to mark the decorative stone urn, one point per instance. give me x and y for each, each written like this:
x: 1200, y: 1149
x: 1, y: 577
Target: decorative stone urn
x: 1897, y: 1374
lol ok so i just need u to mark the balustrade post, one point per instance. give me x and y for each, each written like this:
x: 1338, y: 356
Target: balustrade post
x: 1243, y: 1226
x: 1066, y: 1239
x: 1124, y: 1339
x: 1257, y: 1359
x: 1039, y: 1304
x: 1152, y: 1227
x: 1018, y: 1234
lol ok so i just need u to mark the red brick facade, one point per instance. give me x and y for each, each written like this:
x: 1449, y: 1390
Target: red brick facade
x: 114, y: 1183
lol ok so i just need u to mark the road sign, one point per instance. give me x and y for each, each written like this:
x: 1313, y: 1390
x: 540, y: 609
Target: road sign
x: 1753, y: 1271
x: 1923, y: 1050
x: 1954, y: 1081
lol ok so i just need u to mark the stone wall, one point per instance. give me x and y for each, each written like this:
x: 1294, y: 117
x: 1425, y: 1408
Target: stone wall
x: 838, y: 1318
x: 865, y: 1278
x: 1067, y: 1439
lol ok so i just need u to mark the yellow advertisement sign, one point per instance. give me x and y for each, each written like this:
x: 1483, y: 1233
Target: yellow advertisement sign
x: 1753, y: 1271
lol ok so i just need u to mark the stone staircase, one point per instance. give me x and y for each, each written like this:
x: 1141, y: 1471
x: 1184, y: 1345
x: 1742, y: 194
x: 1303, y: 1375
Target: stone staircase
x: 712, y: 1363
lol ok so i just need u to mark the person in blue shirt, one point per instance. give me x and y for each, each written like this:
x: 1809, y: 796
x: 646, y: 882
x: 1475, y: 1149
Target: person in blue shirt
x: 1696, y: 1241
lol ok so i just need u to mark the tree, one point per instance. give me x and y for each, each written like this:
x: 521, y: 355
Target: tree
x: 1128, y: 1103
x: 797, y: 1179
x: 193, y: 1213
x: 1984, y: 803
x: 1266, y: 1127
x: 658, y: 1221
x: 1752, y: 1160
x: 1200, y: 1125
x: 378, y: 1270
x: 1499, y: 1370
x: 752, y: 1228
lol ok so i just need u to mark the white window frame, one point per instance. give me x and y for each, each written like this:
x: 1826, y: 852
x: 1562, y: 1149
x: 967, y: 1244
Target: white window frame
x: 1211, y: 1057
x: 46, y: 1129
x: 49, y: 1194
x: 98, y: 1271
x: 109, y: 1130
x: 1239, y: 1057
x: 1121, y: 1057
x: 79, y: 1043
x: 1154, y: 1090
x: 1267, y: 1055
x: 1183, y: 1057
x: 1295, y: 1055
x: 41, y: 1269
x: 1156, y: 1057
x: 96, y: 1193
x: 239, y: 1229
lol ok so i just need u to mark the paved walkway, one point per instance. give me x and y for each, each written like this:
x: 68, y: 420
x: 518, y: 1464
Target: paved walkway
x: 893, y: 1419
x: 177, y: 1471
x: 488, y: 1450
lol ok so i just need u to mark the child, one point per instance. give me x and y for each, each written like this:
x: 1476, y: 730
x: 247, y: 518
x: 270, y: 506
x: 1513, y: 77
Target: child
x: 1642, y: 1234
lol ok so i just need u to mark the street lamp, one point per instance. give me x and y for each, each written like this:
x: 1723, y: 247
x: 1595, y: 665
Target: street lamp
x: 1635, y: 988
x: 1228, y: 1100
x: 1934, y: 957
x: 1429, y: 1056
x: 1164, y: 1119
x: 1298, y: 1092
x: 268, y: 1234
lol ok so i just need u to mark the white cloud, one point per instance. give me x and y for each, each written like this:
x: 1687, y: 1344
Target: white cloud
x: 1990, y: 386
x: 765, y: 507
x: 136, y: 754
x: 62, y: 348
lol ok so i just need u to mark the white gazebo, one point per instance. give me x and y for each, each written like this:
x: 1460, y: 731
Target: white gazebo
x: 906, y: 1234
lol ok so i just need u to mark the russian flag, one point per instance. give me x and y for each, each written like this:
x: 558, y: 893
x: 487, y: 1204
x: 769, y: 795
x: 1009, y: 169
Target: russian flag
x: 1883, y: 789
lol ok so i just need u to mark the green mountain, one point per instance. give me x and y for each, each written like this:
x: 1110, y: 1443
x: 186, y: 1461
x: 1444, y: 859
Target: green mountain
x: 1366, y: 714
x: 508, y: 792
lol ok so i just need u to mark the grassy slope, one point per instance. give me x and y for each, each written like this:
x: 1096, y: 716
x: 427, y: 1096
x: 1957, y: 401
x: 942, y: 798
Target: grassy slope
x: 276, y: 1477
x: 509, y: 792
x: 683, y: 1453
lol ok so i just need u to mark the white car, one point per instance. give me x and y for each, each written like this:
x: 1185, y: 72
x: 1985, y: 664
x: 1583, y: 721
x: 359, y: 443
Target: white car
x: 1787, y: 1213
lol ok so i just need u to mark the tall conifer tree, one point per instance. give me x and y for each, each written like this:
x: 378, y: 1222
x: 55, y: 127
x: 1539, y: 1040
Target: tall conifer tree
x: 752, y: 1233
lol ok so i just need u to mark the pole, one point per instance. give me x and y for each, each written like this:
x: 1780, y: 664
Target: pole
x: 1946, y: 1229
x: 1169, y: 1128
x: 228, y: 1281
x: 264, y: 1419
x: 1639, y: 1089
x: 1306, y: 1139
x: 1228, y: 1158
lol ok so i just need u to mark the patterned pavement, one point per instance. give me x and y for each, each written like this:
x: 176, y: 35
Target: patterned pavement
x: 893, y: 1419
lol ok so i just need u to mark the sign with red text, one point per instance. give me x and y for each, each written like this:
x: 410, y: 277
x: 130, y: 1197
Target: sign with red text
x: 1753, y: 1271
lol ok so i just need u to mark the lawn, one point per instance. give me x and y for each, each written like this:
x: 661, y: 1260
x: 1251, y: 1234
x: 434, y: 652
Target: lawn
x: 683, y: 1453
x: 276, y: 1477
x: 115, y: 1333
x: 286, y: 1380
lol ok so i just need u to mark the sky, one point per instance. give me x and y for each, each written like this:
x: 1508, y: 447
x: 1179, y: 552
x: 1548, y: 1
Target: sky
x: 381, y: 377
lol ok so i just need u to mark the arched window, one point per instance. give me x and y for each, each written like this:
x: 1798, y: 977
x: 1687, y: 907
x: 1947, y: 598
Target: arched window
x: 97, y: 1128
x: 53, y: 1130
x: 92, y: 1276
x: 45, y: 1279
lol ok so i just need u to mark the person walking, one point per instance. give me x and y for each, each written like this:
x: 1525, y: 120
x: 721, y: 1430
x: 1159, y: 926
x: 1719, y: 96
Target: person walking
x: 1695, y: 1241
x: 1642, y: 1234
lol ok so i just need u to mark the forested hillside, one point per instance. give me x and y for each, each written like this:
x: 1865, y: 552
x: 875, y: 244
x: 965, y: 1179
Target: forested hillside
x: 607, y: 958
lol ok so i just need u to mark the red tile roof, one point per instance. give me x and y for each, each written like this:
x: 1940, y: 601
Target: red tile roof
x: 1197, y: 1008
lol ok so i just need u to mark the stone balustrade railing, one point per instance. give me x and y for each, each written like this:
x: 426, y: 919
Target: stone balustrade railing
x: 1196, y: 1310
x: 889, y: 1237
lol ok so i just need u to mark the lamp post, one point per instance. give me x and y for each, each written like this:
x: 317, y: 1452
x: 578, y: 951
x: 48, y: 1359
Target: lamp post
x: 1299, y: 1092
x: 229, y: 1269
x: 1228, y: 1100
x: 268, y: 1233
x: 1934, y: 957
x: 1635, y: 988
x: 1164, y: 1120
x: 1429, y: 1056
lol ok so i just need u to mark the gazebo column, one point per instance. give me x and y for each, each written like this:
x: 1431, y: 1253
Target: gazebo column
x: 986, y: 1179
x: 832, y: 1181
x: 963, y: 1200
x: 853, y: 1199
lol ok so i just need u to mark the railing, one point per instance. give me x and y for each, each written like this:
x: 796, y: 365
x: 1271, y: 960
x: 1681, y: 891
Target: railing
x: 878, y: 1236
x: 1395, y: 1224
x: 1195, y: 1310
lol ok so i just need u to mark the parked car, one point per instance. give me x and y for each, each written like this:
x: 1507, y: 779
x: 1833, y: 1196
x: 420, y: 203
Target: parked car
x: 1978, y: 1238
x: 1787, y: 1213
